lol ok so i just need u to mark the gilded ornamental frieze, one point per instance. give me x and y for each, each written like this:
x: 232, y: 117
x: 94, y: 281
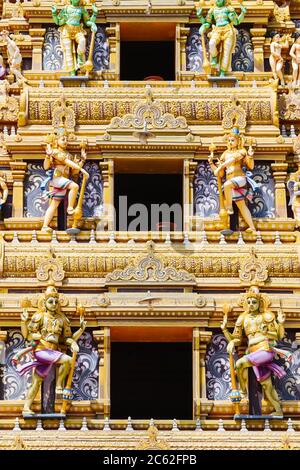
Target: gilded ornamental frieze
x: 23, y: 261
x: 100, y: 106
x: 150, y: 269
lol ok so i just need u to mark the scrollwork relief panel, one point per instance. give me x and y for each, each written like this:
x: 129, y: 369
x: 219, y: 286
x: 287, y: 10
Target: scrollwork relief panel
x: 15, y: 386
x: 242, y: 58
x: 86, y: 375
x: 34, y: 204
x: 53, y: 52
x: 218, y: 384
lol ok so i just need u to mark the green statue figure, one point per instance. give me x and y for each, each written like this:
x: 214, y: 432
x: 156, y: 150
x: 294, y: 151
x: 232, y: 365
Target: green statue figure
x: 71, y: 19
x: 223, y: 35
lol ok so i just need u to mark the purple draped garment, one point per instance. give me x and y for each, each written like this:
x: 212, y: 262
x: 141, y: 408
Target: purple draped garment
x: 263, y: 365
x: 44, y: 359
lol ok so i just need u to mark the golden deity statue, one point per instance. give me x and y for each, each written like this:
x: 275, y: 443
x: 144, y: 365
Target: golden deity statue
x: 276, y: 60
x: 238, y: 185
x: 60, y: 165
x: 46, y: 330
x: 262, y: 329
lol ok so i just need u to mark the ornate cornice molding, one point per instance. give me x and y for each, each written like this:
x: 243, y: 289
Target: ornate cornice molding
x: 150, y: 269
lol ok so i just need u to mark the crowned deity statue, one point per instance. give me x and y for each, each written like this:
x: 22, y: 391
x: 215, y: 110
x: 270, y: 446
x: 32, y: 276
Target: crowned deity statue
x: 238, y: 185
x: 276, y: 60
x: 61, y: 166
x: 221, y: 18
x: 72, y: 20
x: 263, y: 329
x: 46, y: 331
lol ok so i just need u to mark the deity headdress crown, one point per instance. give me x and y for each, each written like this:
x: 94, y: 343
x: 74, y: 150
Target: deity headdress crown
x: 51, y: 291
x: 253, y: 292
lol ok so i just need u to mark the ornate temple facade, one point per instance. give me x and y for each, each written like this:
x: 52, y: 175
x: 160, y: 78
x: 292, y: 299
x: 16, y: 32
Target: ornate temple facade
x: 146, y: 119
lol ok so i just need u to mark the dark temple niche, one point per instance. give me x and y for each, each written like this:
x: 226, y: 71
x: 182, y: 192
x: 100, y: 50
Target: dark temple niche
x: 206, y: 196
x: 35, y: 205
x: 218, y: 383
x: 53, y: 52
x: 242, y: 59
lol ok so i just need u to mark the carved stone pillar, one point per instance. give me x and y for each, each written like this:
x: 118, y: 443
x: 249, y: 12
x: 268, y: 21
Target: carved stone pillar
x: 107, y: 172
x: 3, y: 338
x: 258, y: 39
x: 200, y: 342
x: 280, y: 175
x: 113, y: 34
x: 18, y: 171
x: 37, y: 39
x: 180, y: 54
x: 189, y: 168
x: 102, y: 337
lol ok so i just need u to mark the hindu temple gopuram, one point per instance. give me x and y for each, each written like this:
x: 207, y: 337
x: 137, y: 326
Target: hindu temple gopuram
x: 149, y: 224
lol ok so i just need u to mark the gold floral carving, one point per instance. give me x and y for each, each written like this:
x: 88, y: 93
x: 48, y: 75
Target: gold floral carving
x: 150, y: 112
x: 150, y: 268
x: 104, y: 301
x: 152, y: 443
x: 281, y: 13
x: 200, y: 301
x: 253, y: 270
x: 18, y: 443
x: 296, y: 146
x: 9, y: 105
x: 93, y: 106
x: 50, y: 270
x: 234, y: 115
x: 289, y: 105
x: 63, y: 115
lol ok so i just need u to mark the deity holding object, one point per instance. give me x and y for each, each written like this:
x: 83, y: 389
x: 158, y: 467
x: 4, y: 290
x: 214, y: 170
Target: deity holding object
x: 239, y: 185
x: 47, y: 329
x: 223, y: 35
x: 71, y: 20
x: 60, y: 165
x: 262, y: 329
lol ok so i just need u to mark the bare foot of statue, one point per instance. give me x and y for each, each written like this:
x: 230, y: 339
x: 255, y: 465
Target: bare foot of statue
x: 250, y: 230
x: 46, y: 229
x: 70, y: 210
x: 276, y: 413
x: 27, y: 411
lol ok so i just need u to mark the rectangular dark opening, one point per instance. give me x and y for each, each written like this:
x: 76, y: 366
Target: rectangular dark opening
x: 151, y: 380
x: 143, y: 59
x: 137, y: 197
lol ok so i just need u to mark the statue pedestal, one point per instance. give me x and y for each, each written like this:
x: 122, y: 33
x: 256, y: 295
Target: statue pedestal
x: 45, y: 416
x: 71, y: 81
x: 227, y: 82
x: 260, y: 417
